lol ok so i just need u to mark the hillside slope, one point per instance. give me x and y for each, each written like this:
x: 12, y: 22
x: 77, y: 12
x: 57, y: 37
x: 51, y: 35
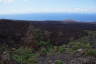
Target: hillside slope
x: 28, y: 32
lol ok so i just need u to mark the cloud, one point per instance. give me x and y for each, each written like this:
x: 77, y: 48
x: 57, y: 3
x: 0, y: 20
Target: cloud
x: 7, y: 1
x: 10, y: 1
x: 71, y: 10
x: 82, y: 10
x: 62, y: 10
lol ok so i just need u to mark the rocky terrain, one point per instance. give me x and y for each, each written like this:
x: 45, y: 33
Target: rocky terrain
x: 37, y: 35
x: 58, y: 32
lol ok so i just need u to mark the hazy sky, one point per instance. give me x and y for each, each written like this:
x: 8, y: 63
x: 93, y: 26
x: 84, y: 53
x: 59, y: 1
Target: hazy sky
x: 43, y: 6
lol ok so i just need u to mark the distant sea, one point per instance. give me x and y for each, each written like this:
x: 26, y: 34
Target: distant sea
x: 51, y: 16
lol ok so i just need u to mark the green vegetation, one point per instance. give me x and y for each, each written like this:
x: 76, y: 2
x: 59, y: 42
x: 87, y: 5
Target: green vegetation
x: 85, y: 45
x: 91, y: 52
x: 59, y: 62
x: 24, y: 55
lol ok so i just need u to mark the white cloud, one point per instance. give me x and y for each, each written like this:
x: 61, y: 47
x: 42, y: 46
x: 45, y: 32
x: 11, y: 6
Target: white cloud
x: 10, y: 1
x: 83, y: 10
x: 62, y: 10
x: 70, y: 10
x: 7, y: 1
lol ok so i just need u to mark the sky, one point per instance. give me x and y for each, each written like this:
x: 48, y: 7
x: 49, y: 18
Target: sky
x: 47, y: 6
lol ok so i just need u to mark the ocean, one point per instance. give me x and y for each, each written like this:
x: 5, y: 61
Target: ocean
x: 51, y: 16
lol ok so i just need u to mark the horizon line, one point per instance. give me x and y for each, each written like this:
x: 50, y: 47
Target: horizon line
x: 48, y: 12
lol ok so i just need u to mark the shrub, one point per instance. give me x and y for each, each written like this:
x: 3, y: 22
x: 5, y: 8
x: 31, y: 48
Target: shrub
x: 59, y: 62
x: 91, y: 52
x: 78, y: 45
x: 61, y: 49
x: 44, y: 44
x: 24, y: 55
